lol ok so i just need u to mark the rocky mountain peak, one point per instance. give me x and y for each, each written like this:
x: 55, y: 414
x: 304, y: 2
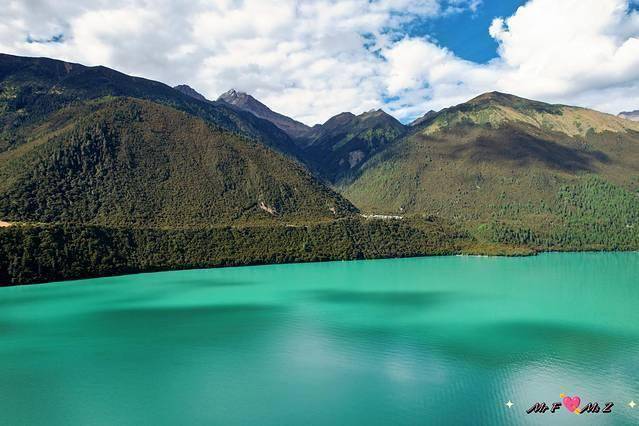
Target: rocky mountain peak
x: 189, y: 91
x: 234, y: 97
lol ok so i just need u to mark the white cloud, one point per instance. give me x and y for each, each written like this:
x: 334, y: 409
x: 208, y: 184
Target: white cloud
x: 583, y: 52
x: 581, y: 45
x: 313, y: 59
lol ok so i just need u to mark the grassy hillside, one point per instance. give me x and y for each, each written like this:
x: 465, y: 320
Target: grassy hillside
x: 468, y: 160
x: 130, y: 162
x: 503, y: 159
x: 496, y: 109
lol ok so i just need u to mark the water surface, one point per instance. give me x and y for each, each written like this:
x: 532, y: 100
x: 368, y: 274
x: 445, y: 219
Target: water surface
x: 443, y: 340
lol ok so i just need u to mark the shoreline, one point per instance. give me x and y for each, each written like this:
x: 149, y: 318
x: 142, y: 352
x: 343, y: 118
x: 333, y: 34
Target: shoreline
x: 261, y: 264
x: 67, y: 252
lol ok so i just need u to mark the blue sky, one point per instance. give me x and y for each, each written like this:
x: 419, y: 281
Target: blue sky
x: 312, y: 59
x: 466, y: 33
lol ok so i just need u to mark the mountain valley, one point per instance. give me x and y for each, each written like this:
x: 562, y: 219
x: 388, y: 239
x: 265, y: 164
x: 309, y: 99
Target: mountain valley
x: 104, y: 173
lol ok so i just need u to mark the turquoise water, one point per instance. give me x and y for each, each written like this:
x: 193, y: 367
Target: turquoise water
x: 444, y: 340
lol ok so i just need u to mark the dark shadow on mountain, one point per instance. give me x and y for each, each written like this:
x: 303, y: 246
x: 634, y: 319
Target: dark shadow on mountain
x: 46, y: 85
x: 523, y: 148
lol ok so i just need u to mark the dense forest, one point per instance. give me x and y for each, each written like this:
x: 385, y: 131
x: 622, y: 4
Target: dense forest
x: 49, y: 252
x: 591, y: 215
x: 124, y: 161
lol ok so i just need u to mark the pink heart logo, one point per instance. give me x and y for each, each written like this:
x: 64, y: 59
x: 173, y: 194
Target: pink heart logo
x: 572, y: 404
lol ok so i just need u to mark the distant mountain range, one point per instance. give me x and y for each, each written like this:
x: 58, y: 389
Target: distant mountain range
x: 338, y: 149
x: 113, y: 173
x: 246, y: 102
x: 495, y: 157
x: 630, y: 115
x: 334, y: 150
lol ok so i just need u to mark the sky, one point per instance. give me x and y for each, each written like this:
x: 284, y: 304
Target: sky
x: 312, y: 59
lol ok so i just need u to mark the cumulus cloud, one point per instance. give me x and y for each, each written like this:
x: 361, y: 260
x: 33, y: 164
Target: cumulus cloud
x: 313, y: 59
x: 583, y: 52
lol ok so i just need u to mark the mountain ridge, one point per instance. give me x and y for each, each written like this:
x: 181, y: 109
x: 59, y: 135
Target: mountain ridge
x: 333, y: 149
x: 338, y: 148
x: 246, y: 102
x: 495, y: 108
x: 189, y: 91
x: 32, y: 88
x: 630, y: 115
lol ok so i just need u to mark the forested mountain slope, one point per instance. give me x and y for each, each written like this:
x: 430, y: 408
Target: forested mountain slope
x: 33, y: 88
x: 338, y: 148
x: 103, y: 173
x: 130, y: 162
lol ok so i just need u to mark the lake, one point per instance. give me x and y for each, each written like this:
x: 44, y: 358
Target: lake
x: 441, y: 340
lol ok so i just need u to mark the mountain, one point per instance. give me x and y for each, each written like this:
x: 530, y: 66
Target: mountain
x: 129, y: 162
x: 189, y: 91
x: 630, y: 115
x: 338, y: 148
x: 103, y: 173
x: 501, y: 157
x: 245, y: 102
x: 31, y: 89
x: 494, y: 109
x: 424, y: 118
